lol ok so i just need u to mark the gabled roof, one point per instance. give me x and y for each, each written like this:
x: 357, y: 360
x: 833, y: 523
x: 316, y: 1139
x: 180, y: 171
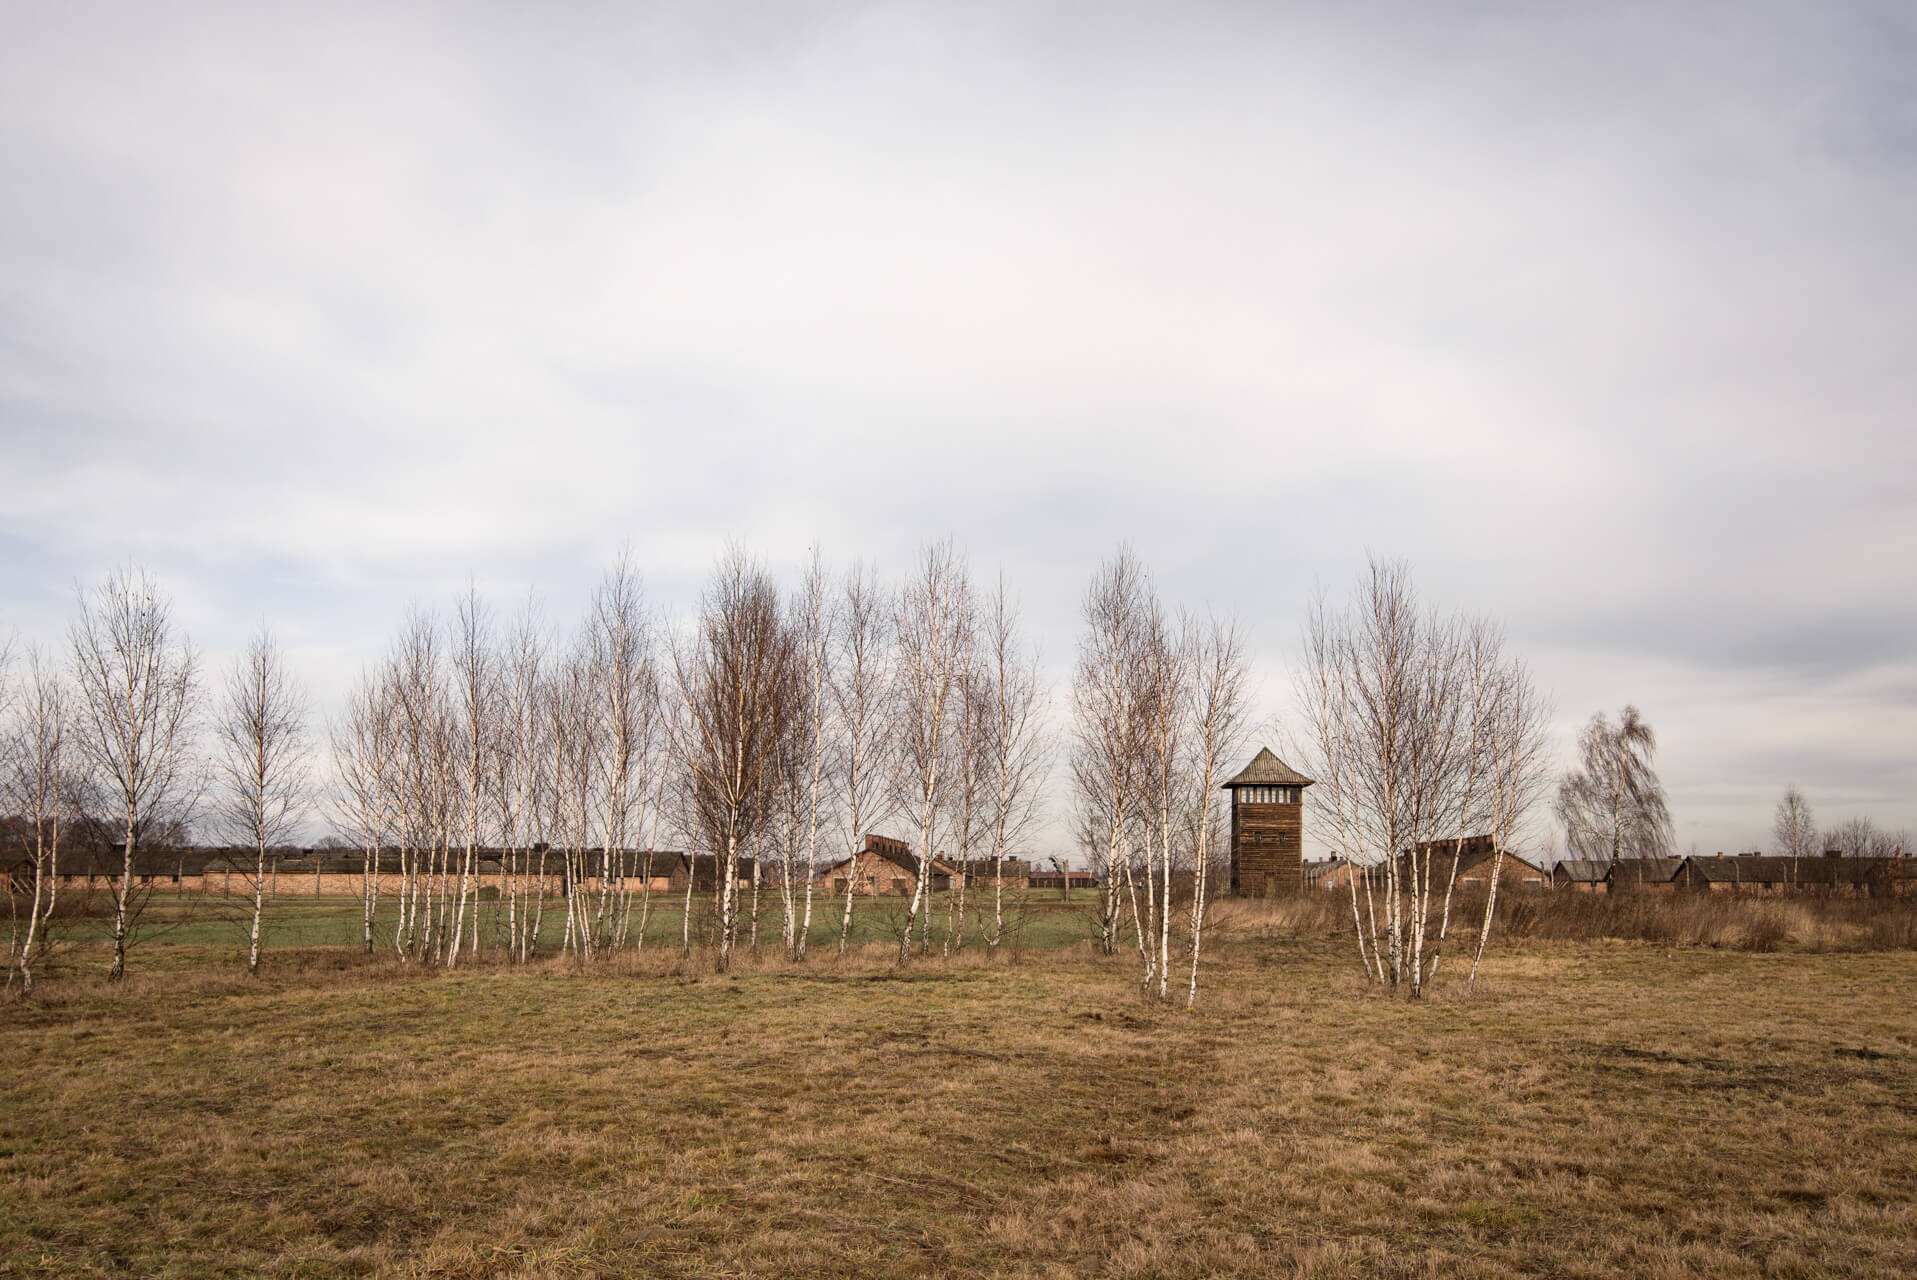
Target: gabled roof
x: 1437, y: 857
x: 1646, y: 870
x: 1318, y: 871
x: 1582, y: 871
x: 901, y: 857
x: 1267, y: 770
x: 1743, y: 868
x: 1828, y: 870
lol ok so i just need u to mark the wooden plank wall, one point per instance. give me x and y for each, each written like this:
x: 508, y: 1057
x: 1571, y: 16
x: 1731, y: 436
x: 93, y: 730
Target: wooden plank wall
x: 1267, y: 849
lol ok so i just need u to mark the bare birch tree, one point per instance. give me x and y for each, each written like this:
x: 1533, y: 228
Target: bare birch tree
x: 39, y: 788
x: 418, y: 683
x: 1795, y: 828
x: 1017, y: 742
x: 933, y: 626
x: 519, y: 773
x: 971, y: 747
x: 732, y: 673
x: 1386, y: 692
x: 1325, y: 696
x: 1107, y: 726
x: 135, y: 677
x: 1161, y: 696
x: 366, y: 793
x: 1519, y: 742
x: 626, y: 703
x: 264, y: 768
x: 1219, y: 674
x: 813, y: 623
x: 862, y: 692
x: 573, y: 740
x: 475, y: 694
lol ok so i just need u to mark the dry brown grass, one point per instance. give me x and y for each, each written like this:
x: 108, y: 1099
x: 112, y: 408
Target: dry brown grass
x: 1735, y: 922
x: 1606, y: 1109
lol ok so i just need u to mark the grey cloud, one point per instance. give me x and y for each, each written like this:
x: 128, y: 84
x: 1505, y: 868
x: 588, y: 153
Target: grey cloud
x: 1602, y: 317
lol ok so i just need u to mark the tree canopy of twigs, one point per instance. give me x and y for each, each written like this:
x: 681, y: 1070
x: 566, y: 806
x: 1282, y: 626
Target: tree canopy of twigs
x: 136, y: 678
x: 263, y: 775
x: 1419, y: 731
x: 1613, y: 805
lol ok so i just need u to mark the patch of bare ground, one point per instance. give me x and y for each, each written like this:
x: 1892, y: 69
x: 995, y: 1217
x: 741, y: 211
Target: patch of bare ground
x: 1601, y: 1109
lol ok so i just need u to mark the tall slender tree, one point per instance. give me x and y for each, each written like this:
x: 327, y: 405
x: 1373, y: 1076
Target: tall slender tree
x: 862, y: 695
x: 1393, y: 738
x: 1519, y: 743
x: 1795, y: 828
x: 573, y: 733
x: 264, y: 770
x: 136, y: 680
x: 733, y: 675
x: 626, y: 703
x: 814, y: 726
x: 365, y: 795
x: 1162, y: 695
x: 1017, y: 741
x: 39, y: 787
x: 1220, y: 675
x: 933, y: 625
x: 1108, y: 726
x: 474, y: 715
x: 519, y: 776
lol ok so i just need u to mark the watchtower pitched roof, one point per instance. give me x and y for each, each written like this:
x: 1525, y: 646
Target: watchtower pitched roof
x: 1267, y: 770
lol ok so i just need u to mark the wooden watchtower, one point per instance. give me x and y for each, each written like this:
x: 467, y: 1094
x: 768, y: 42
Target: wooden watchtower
x: 1267, y: 828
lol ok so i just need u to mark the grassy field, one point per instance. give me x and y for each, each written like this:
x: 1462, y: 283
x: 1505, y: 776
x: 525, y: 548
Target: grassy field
x: 1594, y: 1109
x: 196, y: 929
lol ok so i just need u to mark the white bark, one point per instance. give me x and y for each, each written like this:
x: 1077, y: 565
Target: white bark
x: 475, y: 666
x: 626, y: 704
x: 1107, y: 724
x: 733, y: 678
x: 1018, y: 742
x: 39, y: 787
x: 136, y: 684
x: 1399, y: 722
x: 1220, y: 673
x: 1520, y: 759
x: 861, y: 698
x: 933, y: 623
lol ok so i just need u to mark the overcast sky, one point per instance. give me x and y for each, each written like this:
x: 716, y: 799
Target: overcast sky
x: 1604, y: 318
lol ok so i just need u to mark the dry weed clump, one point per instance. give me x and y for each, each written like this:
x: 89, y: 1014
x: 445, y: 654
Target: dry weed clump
x: 1311, y: 915
x: 1734, y: 922
x: 71, y: 903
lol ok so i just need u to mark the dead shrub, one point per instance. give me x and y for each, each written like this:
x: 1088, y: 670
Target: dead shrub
x: 1314, y: 915
x: 1765, y: 931
x: 1735, y: 922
